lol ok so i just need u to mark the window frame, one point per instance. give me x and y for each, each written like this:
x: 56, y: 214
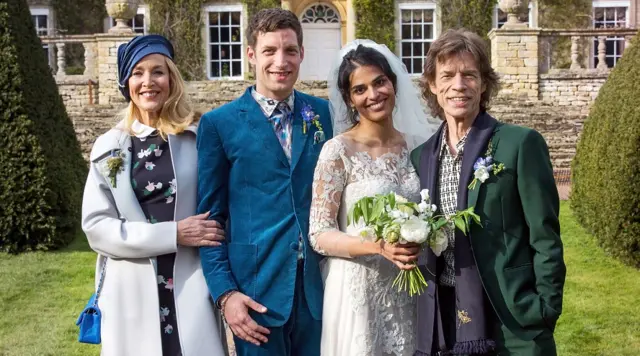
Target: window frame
x: 609, y: 5
x: 208, y: 43
x: 416, y: 6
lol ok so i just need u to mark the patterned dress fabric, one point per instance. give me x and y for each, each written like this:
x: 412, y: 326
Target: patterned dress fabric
x: 363, y: 315
x: 154, y: 183
x: 448, y: 183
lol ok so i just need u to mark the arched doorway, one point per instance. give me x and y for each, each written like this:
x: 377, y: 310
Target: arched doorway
x: 322, y: 40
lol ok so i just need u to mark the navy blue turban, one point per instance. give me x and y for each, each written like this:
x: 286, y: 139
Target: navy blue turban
x: 129, y: 54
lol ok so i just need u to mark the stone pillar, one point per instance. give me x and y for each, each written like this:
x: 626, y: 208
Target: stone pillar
x: 107, y: 63
x: 514, y: 56
x: 90, y: 54
x: 351, y: 21
x: 62, y: 62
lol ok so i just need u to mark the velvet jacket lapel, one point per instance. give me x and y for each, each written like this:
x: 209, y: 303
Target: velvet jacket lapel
x: 476, y: 146
x: 299, y: 140
x: 263, y: 130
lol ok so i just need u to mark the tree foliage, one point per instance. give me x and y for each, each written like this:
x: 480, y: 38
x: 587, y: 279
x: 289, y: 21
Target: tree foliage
x: 375, y: 21
x: 605, y: 193
x: 181, y: 22
x: 42, y: 171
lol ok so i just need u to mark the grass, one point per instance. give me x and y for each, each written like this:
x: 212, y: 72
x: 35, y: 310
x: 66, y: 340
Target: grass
x: 601, y: 305
x: 41, y: 295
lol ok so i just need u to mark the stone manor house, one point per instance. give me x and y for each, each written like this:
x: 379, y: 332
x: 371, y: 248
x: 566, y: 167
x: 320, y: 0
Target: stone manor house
x: 536, y: 91
x: 329, y: 24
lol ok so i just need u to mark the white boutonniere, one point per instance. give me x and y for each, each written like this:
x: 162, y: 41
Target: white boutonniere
x: 484, y: 167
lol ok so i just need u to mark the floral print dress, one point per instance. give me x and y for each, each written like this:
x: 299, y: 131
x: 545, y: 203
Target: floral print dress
x: 153, y: 181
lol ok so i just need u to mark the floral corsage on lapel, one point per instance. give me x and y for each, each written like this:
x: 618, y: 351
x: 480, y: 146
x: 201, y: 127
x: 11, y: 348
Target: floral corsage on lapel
x: 114, y: 165
x: 310, y: 118
x: 483, y: 167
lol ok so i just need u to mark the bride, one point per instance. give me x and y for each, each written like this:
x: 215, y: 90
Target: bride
x: 375, y: 108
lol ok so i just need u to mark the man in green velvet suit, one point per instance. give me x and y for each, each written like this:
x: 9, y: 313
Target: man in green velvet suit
x: 497, y: 290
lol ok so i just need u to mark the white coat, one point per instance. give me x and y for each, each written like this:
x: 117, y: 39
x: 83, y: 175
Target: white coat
x: 117, y: 229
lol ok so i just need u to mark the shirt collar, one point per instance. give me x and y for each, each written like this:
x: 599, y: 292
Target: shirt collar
x: 141, y: 130
x: 269, y: 105
x: 444, y: 148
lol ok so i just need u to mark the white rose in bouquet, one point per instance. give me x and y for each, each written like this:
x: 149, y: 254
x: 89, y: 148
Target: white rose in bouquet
x: 415, y: 230
x: 439, y: 241
x: 400, y: 198
x: 424, y: 194
x: 366, y: 233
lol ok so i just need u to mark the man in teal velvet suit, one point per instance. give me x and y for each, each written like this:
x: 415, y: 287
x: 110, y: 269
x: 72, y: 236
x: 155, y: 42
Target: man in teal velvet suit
x: 497, y: 290
x: 256, y: 159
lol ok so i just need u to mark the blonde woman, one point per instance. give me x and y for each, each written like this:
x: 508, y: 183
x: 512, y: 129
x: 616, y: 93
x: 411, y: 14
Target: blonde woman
x: 138, y: 214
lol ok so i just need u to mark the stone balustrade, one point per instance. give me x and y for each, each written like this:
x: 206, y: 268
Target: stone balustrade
x: 521, y: 56
x: 59, y: 43
x: 581, y: 43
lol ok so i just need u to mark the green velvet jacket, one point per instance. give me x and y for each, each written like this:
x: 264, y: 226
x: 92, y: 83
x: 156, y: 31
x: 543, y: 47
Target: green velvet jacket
x: 517, y: 249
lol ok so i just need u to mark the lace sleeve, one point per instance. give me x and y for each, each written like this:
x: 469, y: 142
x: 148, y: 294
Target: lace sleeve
x: 328, y: 184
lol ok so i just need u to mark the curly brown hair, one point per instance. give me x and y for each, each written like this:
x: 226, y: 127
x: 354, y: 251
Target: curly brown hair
x: 270, y: 20
x: 455, y: 42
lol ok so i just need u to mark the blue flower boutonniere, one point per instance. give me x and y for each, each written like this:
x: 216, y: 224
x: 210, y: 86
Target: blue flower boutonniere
x: 483, y: 168
x: 310, y: 118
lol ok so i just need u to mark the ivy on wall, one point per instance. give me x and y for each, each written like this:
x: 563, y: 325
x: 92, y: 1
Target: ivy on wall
x: 474, y: 15
x: 181, y: 22
x: 254, y: 6
x: 564, y: 14
x: 375, y: 21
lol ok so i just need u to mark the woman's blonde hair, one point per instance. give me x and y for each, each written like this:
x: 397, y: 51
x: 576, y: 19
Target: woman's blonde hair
x: 176, y: 114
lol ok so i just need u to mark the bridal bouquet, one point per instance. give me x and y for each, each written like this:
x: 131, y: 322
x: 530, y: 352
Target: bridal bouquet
x: 394, y: 219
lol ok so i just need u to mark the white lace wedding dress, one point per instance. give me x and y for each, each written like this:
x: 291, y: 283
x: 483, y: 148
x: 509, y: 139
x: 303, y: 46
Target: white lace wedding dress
x: 363, y: 314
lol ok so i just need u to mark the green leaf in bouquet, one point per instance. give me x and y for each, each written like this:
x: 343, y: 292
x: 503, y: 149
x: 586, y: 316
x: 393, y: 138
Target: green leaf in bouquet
x: 377, y: 209
x: 365, y: 211
x: 460, y: 224
x: 392, y: 200
x: 439, y: 224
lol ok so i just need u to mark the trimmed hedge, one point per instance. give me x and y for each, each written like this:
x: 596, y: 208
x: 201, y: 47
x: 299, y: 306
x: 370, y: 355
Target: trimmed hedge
x: 606, y: 170
x: 42, y: 172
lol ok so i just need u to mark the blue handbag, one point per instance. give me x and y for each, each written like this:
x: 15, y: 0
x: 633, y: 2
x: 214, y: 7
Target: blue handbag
x: 91, y: 317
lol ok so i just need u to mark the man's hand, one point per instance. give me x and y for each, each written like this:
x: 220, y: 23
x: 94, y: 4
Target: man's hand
x: 236, y: 312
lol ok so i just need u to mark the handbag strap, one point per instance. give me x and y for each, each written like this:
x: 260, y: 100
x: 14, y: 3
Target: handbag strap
x: 101, y: 282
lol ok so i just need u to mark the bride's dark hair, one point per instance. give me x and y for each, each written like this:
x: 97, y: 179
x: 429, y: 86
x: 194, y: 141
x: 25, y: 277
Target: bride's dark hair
x: 361, y: 56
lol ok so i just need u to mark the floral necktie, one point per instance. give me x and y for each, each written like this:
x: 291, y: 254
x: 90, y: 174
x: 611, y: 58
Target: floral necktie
x: 281, y: 119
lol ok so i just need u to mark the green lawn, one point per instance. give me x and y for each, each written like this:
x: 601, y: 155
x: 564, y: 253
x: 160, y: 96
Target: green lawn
x: 42, y: 293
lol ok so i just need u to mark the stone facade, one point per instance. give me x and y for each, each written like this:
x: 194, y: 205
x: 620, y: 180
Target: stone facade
x: 571, y: 89
x: 77, y: 93
x: 107, y: 65
x: 514, y: 55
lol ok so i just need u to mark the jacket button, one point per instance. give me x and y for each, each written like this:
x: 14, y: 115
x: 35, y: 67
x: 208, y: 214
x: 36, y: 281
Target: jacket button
x: 294, y: 246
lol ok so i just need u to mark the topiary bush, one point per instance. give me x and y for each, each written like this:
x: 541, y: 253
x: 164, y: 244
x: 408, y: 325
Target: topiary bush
x: 606, y: 170
x: 42, y: 172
